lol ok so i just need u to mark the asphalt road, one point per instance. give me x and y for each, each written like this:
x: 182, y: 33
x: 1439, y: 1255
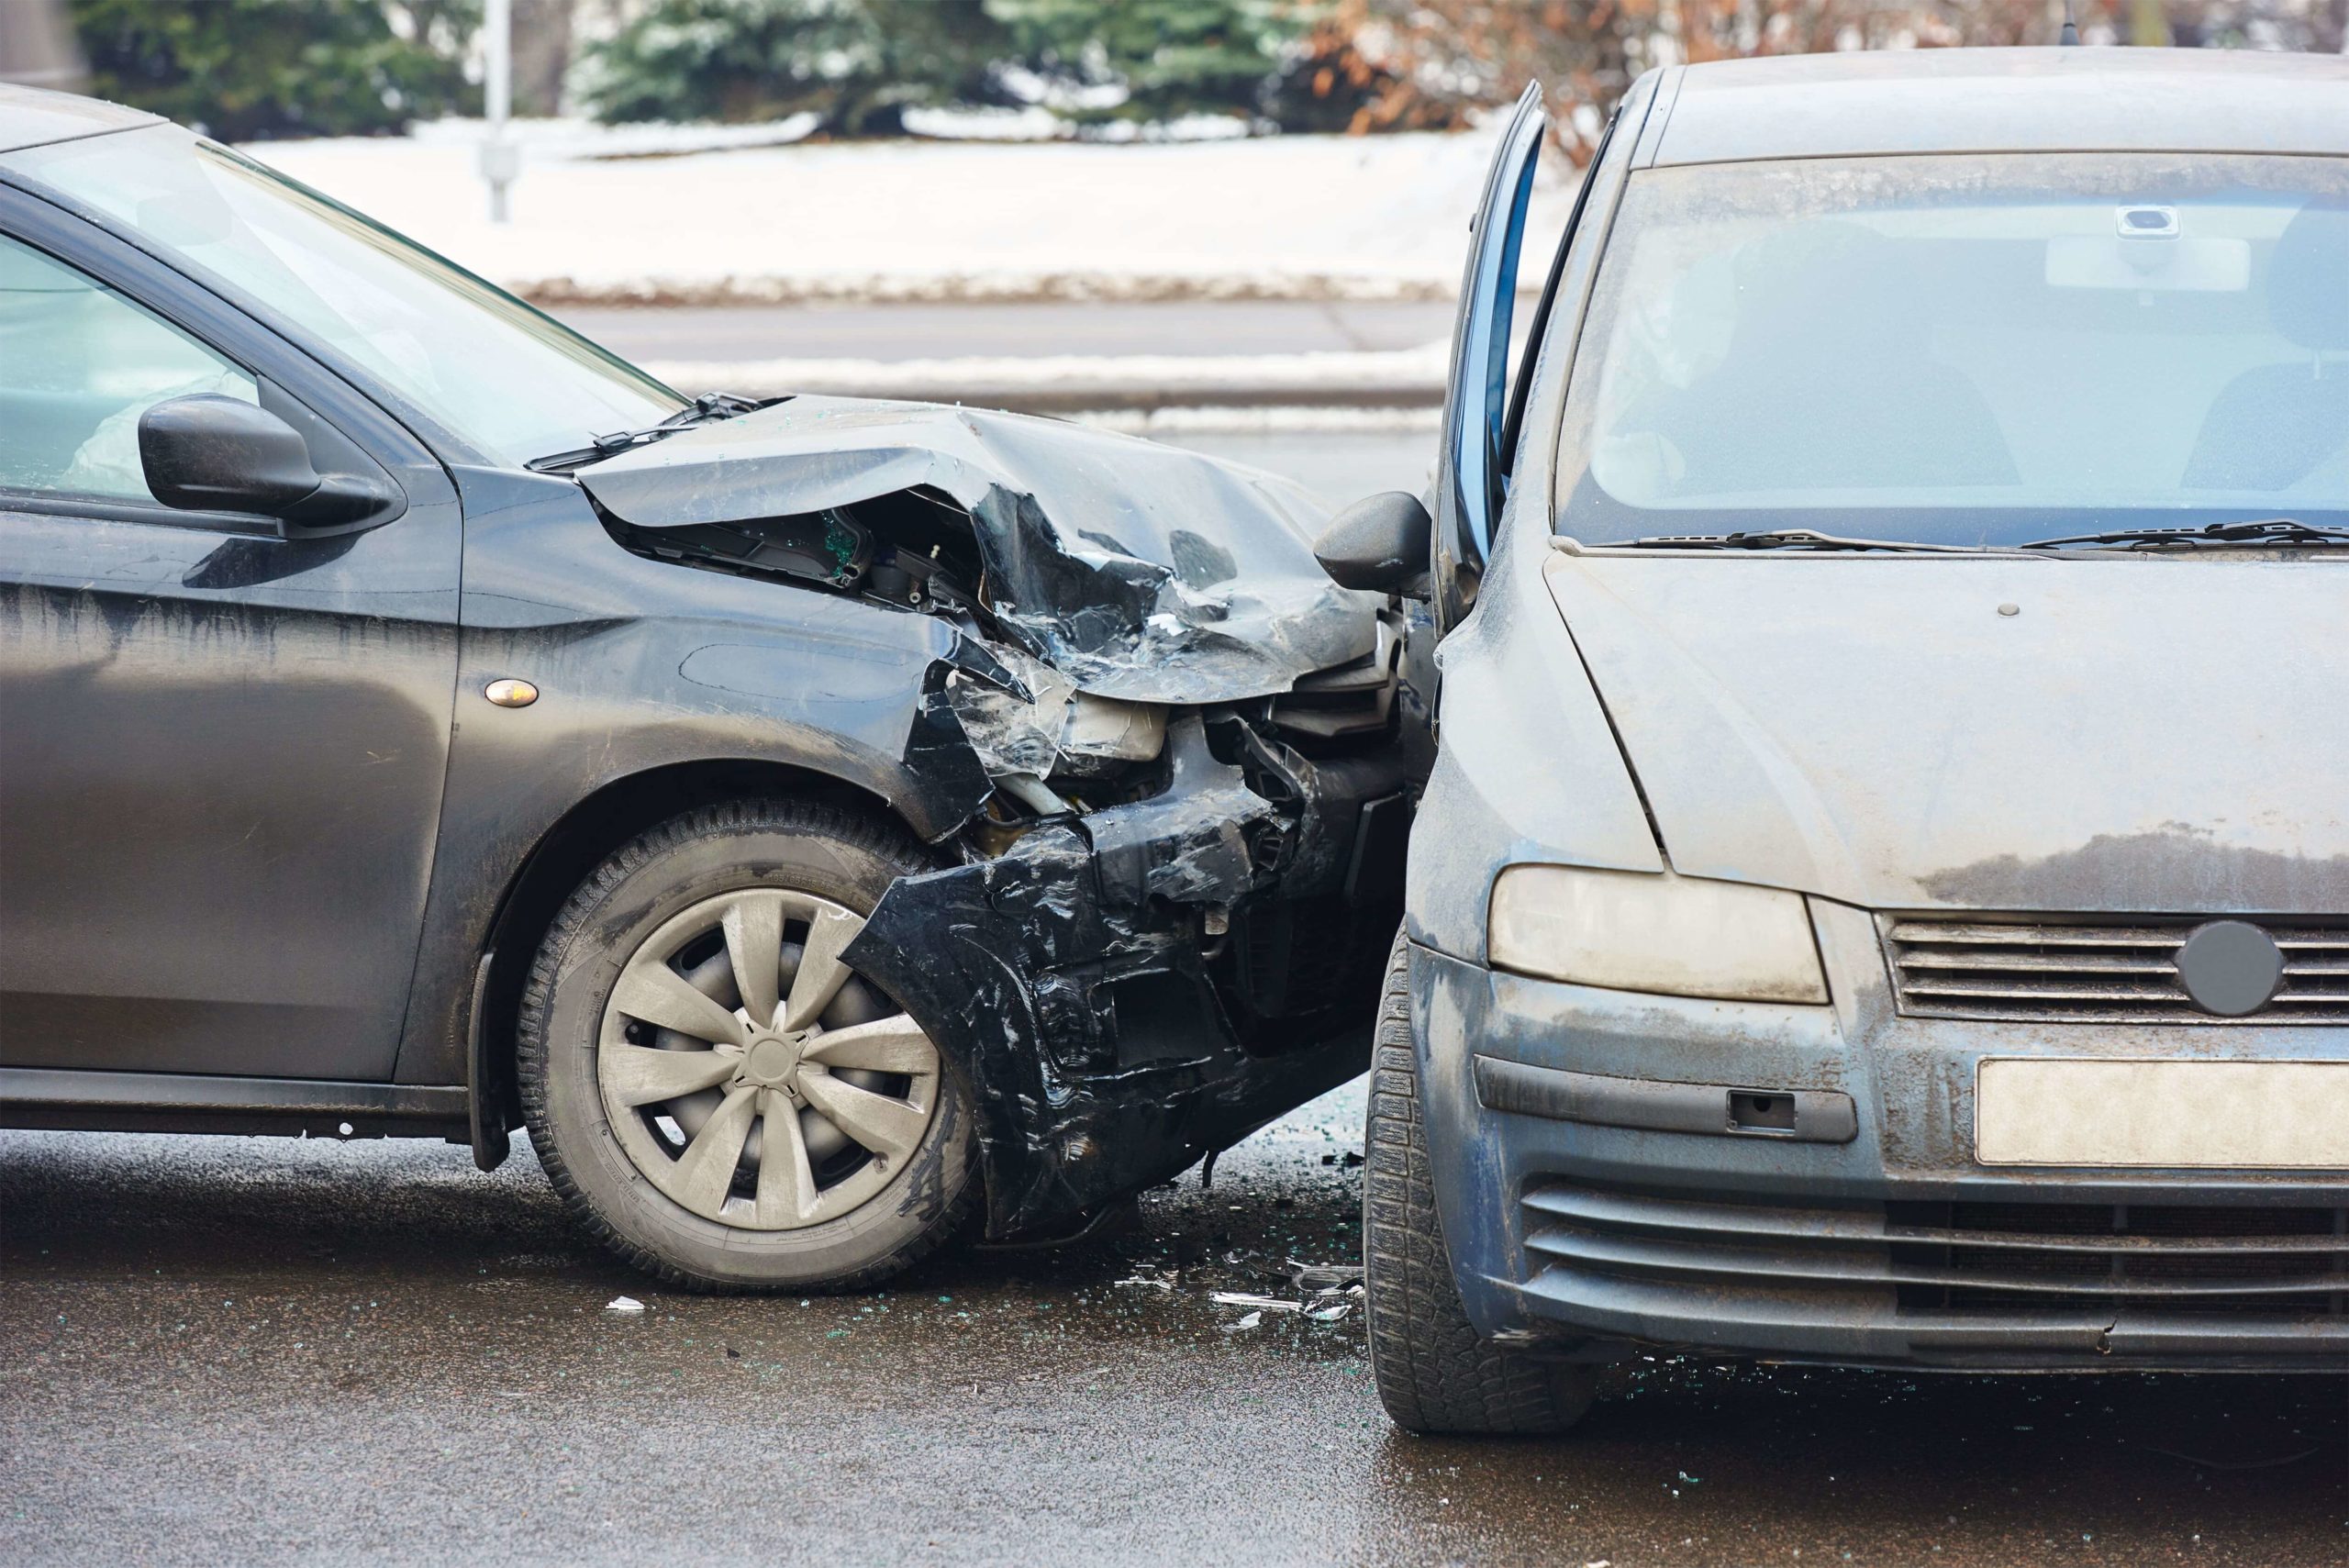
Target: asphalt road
x: 220, y: 1351
x: 893, y: 332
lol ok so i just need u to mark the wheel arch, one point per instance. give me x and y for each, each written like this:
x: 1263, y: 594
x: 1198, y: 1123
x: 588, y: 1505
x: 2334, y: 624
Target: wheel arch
x: 573, y: 845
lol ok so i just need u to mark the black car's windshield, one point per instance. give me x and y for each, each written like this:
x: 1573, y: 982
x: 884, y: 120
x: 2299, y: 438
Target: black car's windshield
x: 492, y: 369
x: 1966, y: 350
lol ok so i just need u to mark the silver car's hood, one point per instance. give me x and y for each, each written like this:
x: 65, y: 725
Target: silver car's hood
x: 2137, y: 735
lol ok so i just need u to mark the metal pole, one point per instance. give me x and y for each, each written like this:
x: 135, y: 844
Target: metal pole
x: 500, y: 158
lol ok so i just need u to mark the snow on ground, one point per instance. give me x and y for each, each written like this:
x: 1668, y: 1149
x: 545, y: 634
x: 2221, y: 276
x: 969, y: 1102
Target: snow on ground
x: 670, y: 215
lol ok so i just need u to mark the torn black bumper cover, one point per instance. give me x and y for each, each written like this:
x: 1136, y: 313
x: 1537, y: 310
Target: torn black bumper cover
x: 1108, y: 1045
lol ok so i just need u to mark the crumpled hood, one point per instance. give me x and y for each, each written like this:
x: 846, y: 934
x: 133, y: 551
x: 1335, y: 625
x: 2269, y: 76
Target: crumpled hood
x: 1139, y: 571
x: 2153, y: 736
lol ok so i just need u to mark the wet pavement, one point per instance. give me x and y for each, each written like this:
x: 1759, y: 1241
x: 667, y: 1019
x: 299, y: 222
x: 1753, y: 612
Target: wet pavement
x: 229, y: 1350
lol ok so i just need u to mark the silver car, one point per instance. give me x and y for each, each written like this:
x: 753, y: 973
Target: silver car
x: 1883, y: 897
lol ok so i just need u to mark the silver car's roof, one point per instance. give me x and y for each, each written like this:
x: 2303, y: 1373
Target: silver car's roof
x: 2001, y: 100
x: 31, y: 115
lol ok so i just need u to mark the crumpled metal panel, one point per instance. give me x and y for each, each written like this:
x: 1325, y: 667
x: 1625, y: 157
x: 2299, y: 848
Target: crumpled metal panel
x: 1051, y: 722
x: 1142, y: 572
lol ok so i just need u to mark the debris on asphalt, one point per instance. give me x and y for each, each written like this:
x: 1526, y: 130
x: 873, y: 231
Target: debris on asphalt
x: 1261, y: 1302
x: 623, y: 1304
x: 1249, y: 1281
x: 1326, y: 1293
x: 1248, y: 1322
x: 2232, y: 1464
x: 1324, y: 1276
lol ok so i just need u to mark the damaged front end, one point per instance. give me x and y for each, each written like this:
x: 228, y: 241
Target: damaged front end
x: 1183, y: 764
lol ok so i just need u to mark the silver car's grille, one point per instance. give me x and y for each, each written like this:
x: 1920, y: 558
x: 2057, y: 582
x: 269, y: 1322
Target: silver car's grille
x: 1980, y: 1257
x: 2091, y: 972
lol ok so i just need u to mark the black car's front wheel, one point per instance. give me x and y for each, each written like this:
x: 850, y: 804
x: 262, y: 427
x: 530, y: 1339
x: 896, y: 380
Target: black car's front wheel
x: 716, y: 1095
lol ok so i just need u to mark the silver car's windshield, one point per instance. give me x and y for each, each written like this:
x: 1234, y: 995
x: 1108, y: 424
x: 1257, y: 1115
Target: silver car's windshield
x: 1966, y: 350
x: 490, y: 368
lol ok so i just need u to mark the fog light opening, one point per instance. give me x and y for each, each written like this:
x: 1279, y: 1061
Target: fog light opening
x: 1759, y: 1111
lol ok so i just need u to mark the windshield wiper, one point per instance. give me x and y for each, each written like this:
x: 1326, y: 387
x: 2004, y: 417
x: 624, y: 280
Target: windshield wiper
x: 1767, y: 538
x: 708, y: 407
x: 2255, y: 532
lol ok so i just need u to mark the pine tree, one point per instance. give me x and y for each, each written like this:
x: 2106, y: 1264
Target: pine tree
x: 1173, y: 57
x: 244, y: 69
x: 859, y: 64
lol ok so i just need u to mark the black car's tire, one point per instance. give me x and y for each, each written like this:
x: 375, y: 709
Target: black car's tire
x: 627, y: 1170
x: 1435, y: 1373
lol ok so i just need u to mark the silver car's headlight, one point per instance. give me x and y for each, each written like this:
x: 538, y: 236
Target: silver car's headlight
x: 1678, y: 936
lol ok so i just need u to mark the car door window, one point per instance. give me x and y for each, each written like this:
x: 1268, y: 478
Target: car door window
x: 79, y: 363
x: 492, y: 369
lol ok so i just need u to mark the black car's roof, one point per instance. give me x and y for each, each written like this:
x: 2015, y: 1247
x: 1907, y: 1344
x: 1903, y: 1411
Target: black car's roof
x: 31, y: 115
x: 2001, y: 100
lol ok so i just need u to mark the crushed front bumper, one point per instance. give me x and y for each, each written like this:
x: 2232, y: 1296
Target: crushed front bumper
x: 1128, y: 990
x: 1799, y: 1183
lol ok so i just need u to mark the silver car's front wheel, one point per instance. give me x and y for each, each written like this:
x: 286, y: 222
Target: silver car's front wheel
x: 720, y: 1096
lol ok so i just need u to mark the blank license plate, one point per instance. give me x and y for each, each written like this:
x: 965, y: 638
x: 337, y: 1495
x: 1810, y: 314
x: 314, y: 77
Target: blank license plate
x: 2255, y: 1114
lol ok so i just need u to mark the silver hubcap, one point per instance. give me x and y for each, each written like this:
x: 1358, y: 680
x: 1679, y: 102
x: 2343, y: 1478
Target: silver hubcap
x: 753, y: 1076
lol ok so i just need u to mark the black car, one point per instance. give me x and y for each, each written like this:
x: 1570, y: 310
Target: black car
x: 827, y: 826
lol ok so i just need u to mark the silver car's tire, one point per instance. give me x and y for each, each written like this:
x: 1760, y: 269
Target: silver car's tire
x: 1435, y: 1373
x: 717, y: 1095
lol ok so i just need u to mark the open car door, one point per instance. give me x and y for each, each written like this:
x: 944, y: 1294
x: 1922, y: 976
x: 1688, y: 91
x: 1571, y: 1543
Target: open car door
x: 1472, y: 472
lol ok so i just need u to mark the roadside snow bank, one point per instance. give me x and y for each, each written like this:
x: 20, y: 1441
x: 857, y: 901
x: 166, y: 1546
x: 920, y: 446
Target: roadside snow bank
x: 705, y: 215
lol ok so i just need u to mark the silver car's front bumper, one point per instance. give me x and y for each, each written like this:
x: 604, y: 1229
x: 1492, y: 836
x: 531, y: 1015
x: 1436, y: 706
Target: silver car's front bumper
x: 1801, y: 1183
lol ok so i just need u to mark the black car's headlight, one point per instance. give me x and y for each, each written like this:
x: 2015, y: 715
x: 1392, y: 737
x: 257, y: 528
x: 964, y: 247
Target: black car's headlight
x: 1676, y: 935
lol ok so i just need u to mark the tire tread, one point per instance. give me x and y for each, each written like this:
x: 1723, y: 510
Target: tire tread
x: 1435, y: 1373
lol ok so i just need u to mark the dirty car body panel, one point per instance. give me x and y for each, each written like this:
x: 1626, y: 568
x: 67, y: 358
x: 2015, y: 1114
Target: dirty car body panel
x: 1164, y: 767
x: 1990, y: 795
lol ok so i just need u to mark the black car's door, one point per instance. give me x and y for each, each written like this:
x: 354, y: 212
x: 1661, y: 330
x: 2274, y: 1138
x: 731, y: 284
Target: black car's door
x: 1472, y: 467
x: 221, y: 752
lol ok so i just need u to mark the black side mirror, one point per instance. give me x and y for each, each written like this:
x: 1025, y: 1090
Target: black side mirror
x: 210, y: 453
x: 1381, y: 543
